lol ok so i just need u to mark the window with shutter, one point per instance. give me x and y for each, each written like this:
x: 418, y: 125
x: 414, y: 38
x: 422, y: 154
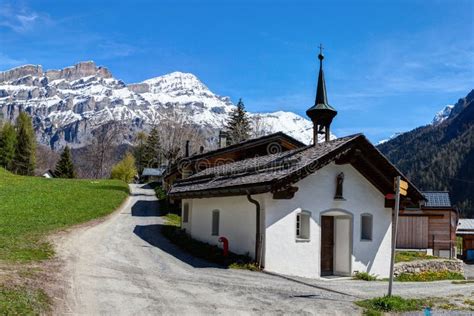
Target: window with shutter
x: 303, y: 225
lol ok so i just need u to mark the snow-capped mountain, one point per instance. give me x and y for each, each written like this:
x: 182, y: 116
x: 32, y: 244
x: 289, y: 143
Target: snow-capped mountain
x: 442, y: 114
x: 68, y: 104
x: 439, y: 117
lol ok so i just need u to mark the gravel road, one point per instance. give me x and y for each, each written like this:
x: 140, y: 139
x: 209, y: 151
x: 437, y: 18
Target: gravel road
x: 124, y: 266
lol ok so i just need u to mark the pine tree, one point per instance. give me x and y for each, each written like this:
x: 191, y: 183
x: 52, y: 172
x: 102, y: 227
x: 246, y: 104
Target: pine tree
x: 65, y: 167
x: 125, y: 170
x: 152, y: 150
x: 238, y: 124
x: 7, y: 146
x: 24, y: 160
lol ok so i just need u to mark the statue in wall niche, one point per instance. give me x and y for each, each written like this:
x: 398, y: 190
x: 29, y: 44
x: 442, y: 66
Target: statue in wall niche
x: 339, y: 185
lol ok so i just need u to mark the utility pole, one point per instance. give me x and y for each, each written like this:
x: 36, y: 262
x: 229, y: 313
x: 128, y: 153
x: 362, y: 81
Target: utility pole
x: 401, y: 188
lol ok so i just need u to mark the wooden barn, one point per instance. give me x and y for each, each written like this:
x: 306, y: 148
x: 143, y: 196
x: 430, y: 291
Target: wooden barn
x: 466, y: 232
x: 431, y: 227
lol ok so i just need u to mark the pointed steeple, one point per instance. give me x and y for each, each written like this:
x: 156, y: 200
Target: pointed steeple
x: 321, y: 97
x: 321, y: 113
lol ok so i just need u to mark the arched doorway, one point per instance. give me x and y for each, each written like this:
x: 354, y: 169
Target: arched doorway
x: 336, y: 242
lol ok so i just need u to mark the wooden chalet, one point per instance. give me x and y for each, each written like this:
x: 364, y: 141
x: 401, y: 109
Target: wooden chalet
x: 431, y: 226
x: 261, y: 146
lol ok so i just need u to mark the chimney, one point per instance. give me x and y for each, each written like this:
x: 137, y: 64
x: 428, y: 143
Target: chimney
x: 223, y: 139
x: 186, y: 153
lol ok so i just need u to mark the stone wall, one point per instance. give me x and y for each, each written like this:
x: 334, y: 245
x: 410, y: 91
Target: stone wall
x: 434, y: 265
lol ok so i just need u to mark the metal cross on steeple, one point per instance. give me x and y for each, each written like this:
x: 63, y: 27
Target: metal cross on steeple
x: 321, y: 49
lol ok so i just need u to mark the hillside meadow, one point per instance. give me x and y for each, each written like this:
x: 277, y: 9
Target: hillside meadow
x: 31, y: 208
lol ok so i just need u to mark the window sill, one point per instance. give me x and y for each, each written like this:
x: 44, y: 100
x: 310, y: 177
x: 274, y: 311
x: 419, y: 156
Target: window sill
x: 303, y: 240
x: 366, y: 240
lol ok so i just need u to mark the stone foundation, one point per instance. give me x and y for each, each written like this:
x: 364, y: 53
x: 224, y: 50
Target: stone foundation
x: 433, y: 265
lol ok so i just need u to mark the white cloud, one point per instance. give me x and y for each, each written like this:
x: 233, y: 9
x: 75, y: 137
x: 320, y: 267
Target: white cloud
x: 21, y: 20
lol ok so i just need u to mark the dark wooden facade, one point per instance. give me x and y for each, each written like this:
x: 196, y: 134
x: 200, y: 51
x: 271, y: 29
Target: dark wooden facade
x: 467, y: 244
x: 428, y: 228
x: 269, y: 144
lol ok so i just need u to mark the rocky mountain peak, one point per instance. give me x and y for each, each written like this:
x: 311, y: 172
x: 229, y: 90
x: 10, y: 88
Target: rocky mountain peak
x: 178, y: 83
x: 78, y: 71
x: 68, y: 104
x: 442, y: 115
x: 22, y: 71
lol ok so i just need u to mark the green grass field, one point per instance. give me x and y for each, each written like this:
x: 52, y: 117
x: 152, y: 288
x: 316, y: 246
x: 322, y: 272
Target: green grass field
x: 32, y: 207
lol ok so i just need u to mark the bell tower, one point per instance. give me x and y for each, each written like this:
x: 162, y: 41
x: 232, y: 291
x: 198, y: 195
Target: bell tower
x: 321, y: 113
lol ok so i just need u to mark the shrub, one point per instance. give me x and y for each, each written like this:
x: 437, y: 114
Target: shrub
x: 160, y: 193
x: 392, y: 304
x: 173, y: 220
x: 364, y: 276
x: 125, y: 170
x: 427, y: 276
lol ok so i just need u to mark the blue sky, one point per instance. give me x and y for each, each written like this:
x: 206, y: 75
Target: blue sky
x: 390, y: 65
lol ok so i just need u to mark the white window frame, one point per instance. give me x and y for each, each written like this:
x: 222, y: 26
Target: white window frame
x: 302, y: 216
x: 215, y: 230
x: 362, y: 227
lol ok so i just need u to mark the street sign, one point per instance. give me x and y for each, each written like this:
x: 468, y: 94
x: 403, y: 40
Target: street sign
x: 402, y: 186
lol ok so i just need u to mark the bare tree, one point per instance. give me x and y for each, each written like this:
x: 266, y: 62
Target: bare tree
x: 46, y: 159
x: 259, y: 126
x: 105, y: 140
x: 174, y: 132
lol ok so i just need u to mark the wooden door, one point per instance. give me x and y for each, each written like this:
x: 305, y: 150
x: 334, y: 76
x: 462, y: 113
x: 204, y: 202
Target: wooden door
x: 327, y: 245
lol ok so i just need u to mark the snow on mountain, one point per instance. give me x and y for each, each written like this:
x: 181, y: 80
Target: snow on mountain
x: 439, y: 117
x: 442, y: 115
x: 68, y: 104
x: 390, y: 138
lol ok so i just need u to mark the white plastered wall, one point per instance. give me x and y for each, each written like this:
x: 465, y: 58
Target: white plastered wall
x: 283, y: 253
x: 237, y: 222
x: 286, y: 255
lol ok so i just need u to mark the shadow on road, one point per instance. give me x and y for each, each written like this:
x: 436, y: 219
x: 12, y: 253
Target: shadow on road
x: 152, y: 235
x: 146, y: 208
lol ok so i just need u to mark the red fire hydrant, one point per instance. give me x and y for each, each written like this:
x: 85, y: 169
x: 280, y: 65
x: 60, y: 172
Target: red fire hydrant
x: 225, y: 245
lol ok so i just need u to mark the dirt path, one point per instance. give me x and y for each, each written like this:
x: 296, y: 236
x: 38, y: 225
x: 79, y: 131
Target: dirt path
x: 124, y: 266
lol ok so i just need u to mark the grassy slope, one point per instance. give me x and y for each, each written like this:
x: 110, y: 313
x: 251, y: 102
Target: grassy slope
x: 32, y: 207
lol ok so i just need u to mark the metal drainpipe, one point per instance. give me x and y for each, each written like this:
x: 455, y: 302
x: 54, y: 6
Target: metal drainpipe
x: 257, y: 234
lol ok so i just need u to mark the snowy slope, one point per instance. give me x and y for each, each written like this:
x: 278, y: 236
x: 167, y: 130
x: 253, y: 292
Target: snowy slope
x: 68, y: 104
x: 442, y: 114
x: 439, y: 117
